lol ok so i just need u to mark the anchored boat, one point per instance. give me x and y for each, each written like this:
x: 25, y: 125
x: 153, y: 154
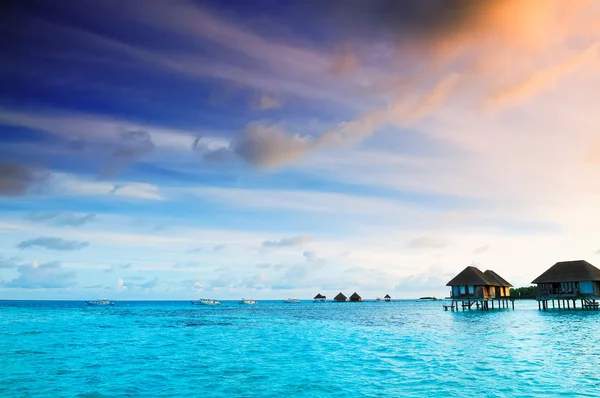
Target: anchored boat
x: 248, y: 301
x: 206, y: 302
x: 101, y: 302
x: 291, y: 301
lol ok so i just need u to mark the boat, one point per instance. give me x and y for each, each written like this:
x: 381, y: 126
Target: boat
x: 378, y: 298
x: 247, y: 301
x: 206, y: 302
x: 291, y: 301
x: 101, y: 302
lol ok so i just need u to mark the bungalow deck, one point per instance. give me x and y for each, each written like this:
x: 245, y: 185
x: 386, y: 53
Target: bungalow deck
x: 564, y: 301
x: 484, y: 304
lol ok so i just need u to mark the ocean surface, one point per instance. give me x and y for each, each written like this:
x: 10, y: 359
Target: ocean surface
x: 273, y: 349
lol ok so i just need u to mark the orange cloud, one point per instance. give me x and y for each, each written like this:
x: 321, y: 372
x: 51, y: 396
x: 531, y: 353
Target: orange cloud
x: 542, y: 80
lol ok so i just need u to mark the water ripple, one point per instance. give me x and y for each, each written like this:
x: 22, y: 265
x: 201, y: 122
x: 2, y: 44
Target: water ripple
x: 405, y: 348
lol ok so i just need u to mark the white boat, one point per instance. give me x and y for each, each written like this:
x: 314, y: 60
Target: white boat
x: 206, y: 302
x: 101, y: 302
x: 291, y: 300
x: 378, y: 298
x: 248, y: 301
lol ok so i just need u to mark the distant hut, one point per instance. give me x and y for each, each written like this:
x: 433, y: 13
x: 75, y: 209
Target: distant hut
x: 387, y: 297
x: 340, y: 297
x: 320, y: 298
x: 472, y: 286
x: 355, y: 297
x: 568, y: 281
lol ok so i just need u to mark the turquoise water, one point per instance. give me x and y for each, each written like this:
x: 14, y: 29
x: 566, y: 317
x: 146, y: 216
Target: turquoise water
x: 370, y: 349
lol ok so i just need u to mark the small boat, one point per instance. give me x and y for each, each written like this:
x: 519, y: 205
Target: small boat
x: 378, y: 298
x: 291, y: 301
x: 101, y: 302
x: 206, y: 302
x: 248, y: 301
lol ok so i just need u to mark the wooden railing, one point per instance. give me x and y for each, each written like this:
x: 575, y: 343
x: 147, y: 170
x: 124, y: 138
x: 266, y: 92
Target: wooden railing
x: 558, y: 292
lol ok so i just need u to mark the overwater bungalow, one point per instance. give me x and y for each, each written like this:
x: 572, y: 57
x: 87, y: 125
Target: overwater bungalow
x: 340, y: 297
x: 319, y: 298
x: 566, y: 282
x: 355, y: 298
x: 387, y: 298
x: 472, y: 286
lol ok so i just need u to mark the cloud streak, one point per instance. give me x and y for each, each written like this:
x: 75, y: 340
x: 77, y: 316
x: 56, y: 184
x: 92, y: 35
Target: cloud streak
x: 287, y: 242
x: 52, y: 243
x: 62, y: 219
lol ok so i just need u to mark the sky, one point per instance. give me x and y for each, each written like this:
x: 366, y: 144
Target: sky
x: 276, y: 148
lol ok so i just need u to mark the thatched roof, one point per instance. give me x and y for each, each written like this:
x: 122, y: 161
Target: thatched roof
x: 471, y: 276
x: 500, y: 281
x: 340, y: 297
x: 355, y: 296
x: 569, y: 271
x: 319, y: 296
x: 387, y: 296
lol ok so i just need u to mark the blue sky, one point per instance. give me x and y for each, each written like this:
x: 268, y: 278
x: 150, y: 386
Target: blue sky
x: 269, y: 149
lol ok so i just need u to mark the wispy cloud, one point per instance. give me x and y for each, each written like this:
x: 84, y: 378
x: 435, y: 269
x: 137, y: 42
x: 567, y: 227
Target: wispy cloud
x: 427, y: 242
x: 10, y: 262
x: 131, y: 146
x: 267, y: 101
x: 62, y: 219
x: 481, y: 249
x: 218, y: 248
x: 42, y: 275
x: 17, y: 179
x: 287, y: 242
x: 117, y: 267
x: 52, y: 243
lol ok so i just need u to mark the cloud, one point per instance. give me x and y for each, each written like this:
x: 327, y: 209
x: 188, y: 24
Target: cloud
x: 137, y: 191
x: 114, y: 268
x: 275, y: 267
x: 130, y: 147
x: 189, y: 264
x: 269, y: 146
x: 196, y: 250
x: 427, y: 242
x: 193, y: 284
x: 120, y: 285
x: 260, y: 145
x: 52, y: 243
x: 10, y: 262
x: 465, y: 44
x: 267, y: 101
x: 310, y: 256
x: 287, y: 242
x: 48, y: 275
x: 96, y: 287
x: 345, y: 63
x: 18, y: 180
x: 481, y: 249
x: 62, y: 219
x: 541, y: 80
x: 149, y: 284
x: 219, y: 248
